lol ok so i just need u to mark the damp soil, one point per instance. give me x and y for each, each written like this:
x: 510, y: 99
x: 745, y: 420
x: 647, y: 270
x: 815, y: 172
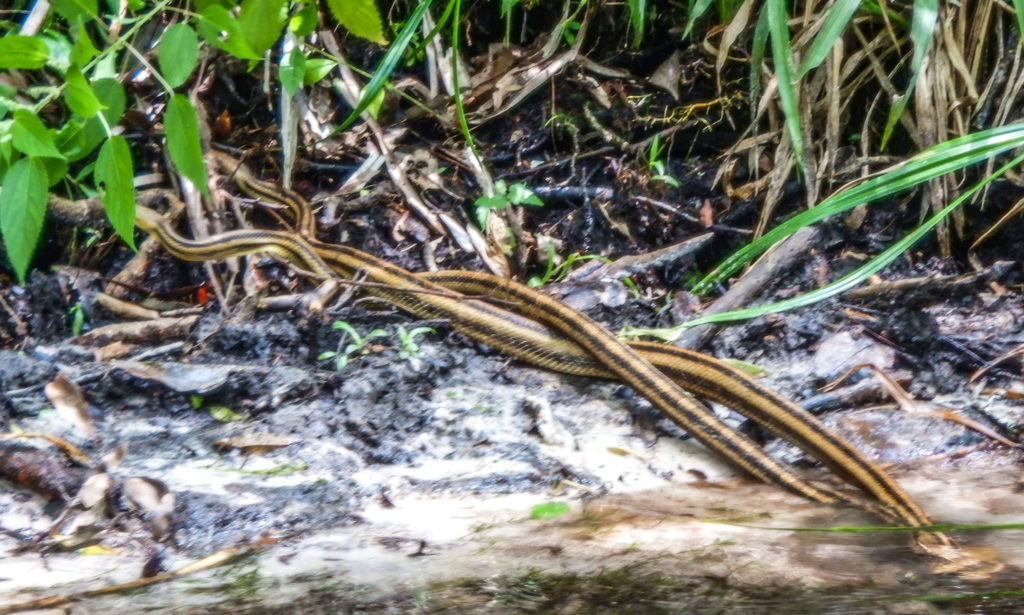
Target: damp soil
x: 407, y: 480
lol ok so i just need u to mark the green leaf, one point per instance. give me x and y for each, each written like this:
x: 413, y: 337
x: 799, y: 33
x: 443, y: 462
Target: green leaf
x: 317, y: 69
x: 1018, y: 7
x: 177, y: 53
x: 292, y: 70
x: 303, y: 23
x: 17, y: 51
x: 637, y: 12
x: 757, y: 47
x: 387, y: 64
x: 519, y: 194
x: 224, y: 414
x: 115, y: 177
x: 697, y: 9
x: 782, y: 55
x: 31, y: 138
x: 360, y: 17
x: 835, y: 23
x: 83, y: 50
x: 56, y: 169
x: 22, y: 209
x: 79, y: 95
x: 70, y: 9
x: 549, y: 510
x: 111, y: 93
x: 261, y: 22
x: 220, y: 29
x: 182, y: 131
x: 922, y: 27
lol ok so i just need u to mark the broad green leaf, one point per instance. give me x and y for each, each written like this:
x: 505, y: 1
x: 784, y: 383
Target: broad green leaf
x: 380, y: 76
x: 83, y: 50
x: 59, y: 48
x: 115, y: 176
x: 549, y: 510
x: 177, y: 53
x: 56, y: 170
x: 360, y: 17
x: 303, y: 23
x: 943, y: 158
x: 31, y: 138
x: 17, y: 51
x: 70, y: 9
x: 201, y: 5
x: 79, y: 95
x: 835, y: 23
x: 519, y: 194
x: 697, y: 8
x: 111, y: 93
x: 220, y: 29
x: 261, y: 22
x: 71, y: 140
x: 317, y: 69
x: 922, y: 27
x: 22, y: 209
x: 292, y: 70
x: 782, y: 56
x: 182, y: 131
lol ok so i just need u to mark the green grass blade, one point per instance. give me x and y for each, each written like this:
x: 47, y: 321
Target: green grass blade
x: 782, y: 54
x: 936, y: 161
x: 844, y: 283
x: 922, y: 26
x: 835, y: 23
x: 697, y: 8
x: 380, y: 76
x: 1018, y: 7
x: 757, y: 48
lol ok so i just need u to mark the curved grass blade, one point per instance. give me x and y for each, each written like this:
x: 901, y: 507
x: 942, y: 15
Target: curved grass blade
x: 938, y: 160
x: 757, y: 59
x: 844, y: 283
x: 1018, y: 7
x: 380, y: 77
x: 782, y: 55
x: 835, y: 23
x: 697, y: 8
x: 922, y: 26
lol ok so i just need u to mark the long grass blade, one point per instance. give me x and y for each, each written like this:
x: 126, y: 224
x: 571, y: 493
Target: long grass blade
x: 835, y: 23
x: 782, y: 55
x: 841, y: 285
x: 938, y: 160
x: 922, y: 26
x: 387, y: 64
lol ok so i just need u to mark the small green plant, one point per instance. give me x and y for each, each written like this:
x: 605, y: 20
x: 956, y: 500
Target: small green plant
x: 75, y: 69
x: 354, y: 348
x: 504, y: 196
x: 410, y: 349
x: 548, y: 510
x: 656, y: 166
x: 555, y: 272
x: 77, y: 319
